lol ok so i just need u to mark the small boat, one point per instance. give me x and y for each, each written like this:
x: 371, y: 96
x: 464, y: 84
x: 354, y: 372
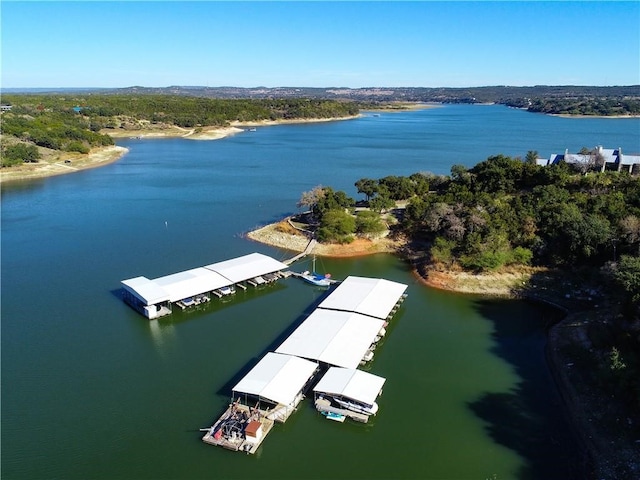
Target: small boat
x: 368, y: 356
x: 358, y: 407
x: 317, y: 279
x: 336, y: 417
x: 252, y: 129
x: 227, y: 290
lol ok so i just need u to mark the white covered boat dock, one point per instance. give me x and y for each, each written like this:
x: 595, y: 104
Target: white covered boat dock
x: 275, y: 387
x: 154, y: 298
x: 277, y: 383
x: 338, y: 336
x: 375, y: 297
x: 350, y: 385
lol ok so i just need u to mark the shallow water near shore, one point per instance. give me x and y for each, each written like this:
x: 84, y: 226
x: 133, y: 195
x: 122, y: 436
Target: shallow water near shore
x: 93, y: 390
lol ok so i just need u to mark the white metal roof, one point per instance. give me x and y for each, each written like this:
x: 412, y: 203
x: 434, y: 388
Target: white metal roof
x: 334, y: 337
x: 247, y: 267
x: 278, y: 378
x: 191, y: 282
x: 355, y: 384
x: 146, y: 290
x: 375, y: 297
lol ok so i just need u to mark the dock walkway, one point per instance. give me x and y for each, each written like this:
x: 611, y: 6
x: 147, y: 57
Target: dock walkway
x: 308, y: 249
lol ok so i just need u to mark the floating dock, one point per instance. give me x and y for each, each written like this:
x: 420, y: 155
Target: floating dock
x: 338, y: 335
x: 278, y: 381
x: 155, y: 298
x: 240, y: 428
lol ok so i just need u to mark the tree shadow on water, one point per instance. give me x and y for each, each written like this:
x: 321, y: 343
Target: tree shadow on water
x: 531, y: 419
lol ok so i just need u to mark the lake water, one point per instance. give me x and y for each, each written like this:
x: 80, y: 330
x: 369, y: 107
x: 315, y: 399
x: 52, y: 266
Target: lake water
x: 90, y: 389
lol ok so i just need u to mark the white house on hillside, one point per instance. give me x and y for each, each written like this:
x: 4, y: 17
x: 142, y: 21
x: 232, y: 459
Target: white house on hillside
x: 604, y: 158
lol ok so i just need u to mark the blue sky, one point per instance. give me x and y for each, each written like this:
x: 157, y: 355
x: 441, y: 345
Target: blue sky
x: 319, y: 44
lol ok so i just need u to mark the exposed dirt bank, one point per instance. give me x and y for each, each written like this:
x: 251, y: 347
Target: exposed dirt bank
x: 54, y: 163
x: 281, y: 235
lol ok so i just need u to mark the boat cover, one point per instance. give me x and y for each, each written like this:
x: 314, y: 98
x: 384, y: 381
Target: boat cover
x: 247, y: 267
x: 375, y: 297
x: 149, y: 292
x: 191, y: 282
x: 357, y: 385
x: 337, y: 338
x: 277, y: 378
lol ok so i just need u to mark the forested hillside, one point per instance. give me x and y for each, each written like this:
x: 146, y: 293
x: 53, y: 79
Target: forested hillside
x: 72, y: 122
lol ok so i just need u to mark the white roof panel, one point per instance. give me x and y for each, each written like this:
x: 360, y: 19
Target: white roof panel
x: 191, y: 282
x: 146, y: 290
x: 375, y: 297
x: 333, y: 337
x: 246, y: 267
x: 355, y: 384
x: 278, y: 378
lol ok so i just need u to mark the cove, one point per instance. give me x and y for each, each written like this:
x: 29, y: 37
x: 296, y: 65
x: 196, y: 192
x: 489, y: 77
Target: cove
x: 91, y: 389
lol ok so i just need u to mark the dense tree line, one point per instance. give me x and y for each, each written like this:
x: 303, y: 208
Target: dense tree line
x: 580, y: 106
x: 73, y: 122
x: 505, y: 211
x: 103, y: 111
x: 375, y: 95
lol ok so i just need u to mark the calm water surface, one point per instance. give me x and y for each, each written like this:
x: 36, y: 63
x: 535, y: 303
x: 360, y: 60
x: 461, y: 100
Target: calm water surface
x: 90, y: 389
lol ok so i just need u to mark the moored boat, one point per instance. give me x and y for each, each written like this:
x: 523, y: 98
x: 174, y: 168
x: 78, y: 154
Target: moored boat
x: 336, y: 417
x: 317, y: 279
x: 357, y: 407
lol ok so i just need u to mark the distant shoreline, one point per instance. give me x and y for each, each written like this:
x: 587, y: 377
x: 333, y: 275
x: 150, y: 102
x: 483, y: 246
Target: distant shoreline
x: 61, y: 163
x: 567, y: 115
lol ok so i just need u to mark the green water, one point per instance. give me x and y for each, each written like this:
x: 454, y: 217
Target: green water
x: 90, y: 389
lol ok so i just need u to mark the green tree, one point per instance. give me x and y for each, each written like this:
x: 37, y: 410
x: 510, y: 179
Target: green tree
x: 442, y: 251
x: 336, y: 226
x: 532, y: 157
x: 367, y: 186
x: 381, y: 203
x: 19, y: 153
x: 369, y: 223
x: 398, y: 188
x: 332, y: 200
x: 627, y: 274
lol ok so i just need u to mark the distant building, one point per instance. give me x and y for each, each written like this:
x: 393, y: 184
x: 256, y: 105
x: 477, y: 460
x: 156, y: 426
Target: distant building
x: 599, y: 158
x: 5, y: 108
